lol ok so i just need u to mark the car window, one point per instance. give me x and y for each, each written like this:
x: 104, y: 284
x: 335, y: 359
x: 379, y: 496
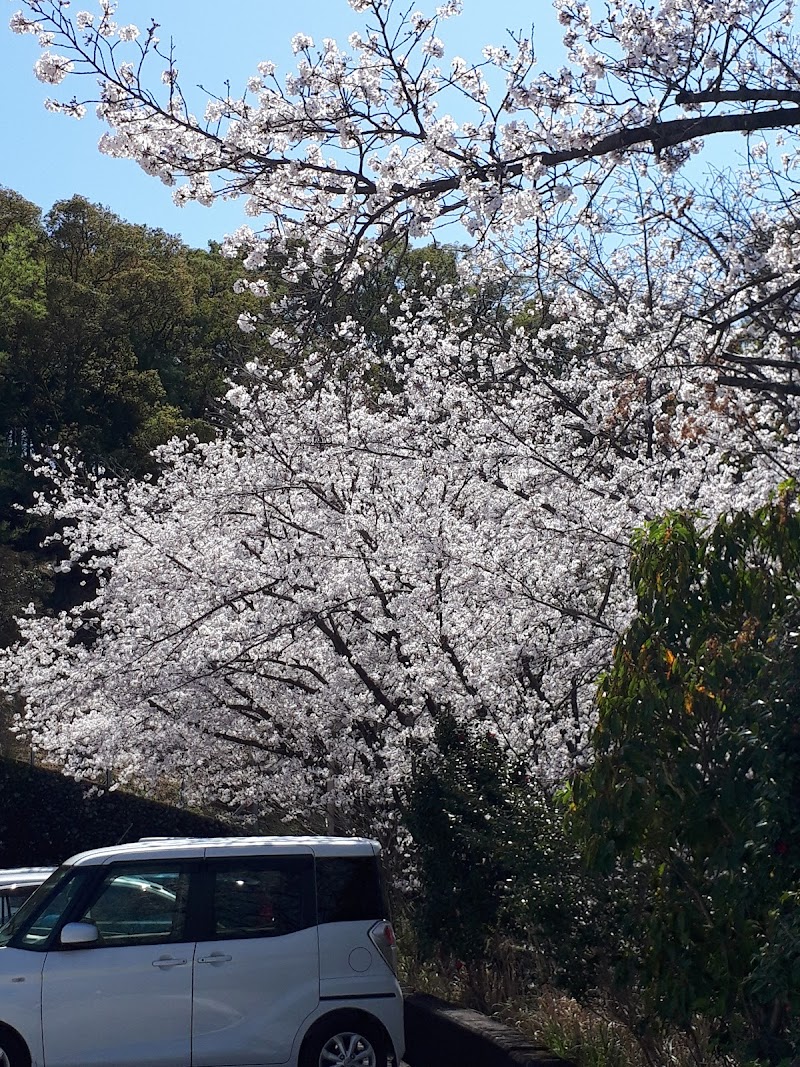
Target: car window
x: 349, y: 888
x: 262, y: 897
x: 11, y: 900
x: 41, y: 913
x: 139, y: 905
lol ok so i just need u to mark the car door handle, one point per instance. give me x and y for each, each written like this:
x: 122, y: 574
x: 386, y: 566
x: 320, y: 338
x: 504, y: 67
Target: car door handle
x: 215, y: 957
x: 168, y: 961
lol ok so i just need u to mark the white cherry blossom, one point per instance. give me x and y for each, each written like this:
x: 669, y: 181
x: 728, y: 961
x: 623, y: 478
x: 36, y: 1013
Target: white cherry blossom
x: 440, y: 521
x: 283, y: 614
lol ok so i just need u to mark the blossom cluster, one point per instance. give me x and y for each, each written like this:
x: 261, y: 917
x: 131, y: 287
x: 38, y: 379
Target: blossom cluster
x: 284, y: 614
x: 440, y: 524
x: 356, y: 141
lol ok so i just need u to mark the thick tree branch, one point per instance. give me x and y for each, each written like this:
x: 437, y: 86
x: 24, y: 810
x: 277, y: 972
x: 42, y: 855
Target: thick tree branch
x: 739, y: 96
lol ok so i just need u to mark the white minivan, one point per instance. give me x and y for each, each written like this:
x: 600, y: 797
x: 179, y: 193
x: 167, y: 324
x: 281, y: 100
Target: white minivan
x: 214, y: 952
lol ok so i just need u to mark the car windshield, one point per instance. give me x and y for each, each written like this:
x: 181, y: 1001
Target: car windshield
x: 47, y: 890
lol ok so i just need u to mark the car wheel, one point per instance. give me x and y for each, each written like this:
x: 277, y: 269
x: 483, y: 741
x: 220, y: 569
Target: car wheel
x: 344, y: 1041
x: 12, y: 1051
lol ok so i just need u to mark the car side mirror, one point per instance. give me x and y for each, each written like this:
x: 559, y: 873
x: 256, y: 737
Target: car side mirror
x: 78, y: 934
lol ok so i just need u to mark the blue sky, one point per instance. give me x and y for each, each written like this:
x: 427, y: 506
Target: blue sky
x: 50, y: 157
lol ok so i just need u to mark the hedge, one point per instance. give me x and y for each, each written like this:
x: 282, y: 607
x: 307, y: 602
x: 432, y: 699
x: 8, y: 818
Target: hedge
x: 46, y: 817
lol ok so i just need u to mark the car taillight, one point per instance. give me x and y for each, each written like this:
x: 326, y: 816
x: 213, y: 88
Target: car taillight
x: 383, y: 938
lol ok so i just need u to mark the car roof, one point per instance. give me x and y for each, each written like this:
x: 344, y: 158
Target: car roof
x: 154, y: 848
x: 13, y: 876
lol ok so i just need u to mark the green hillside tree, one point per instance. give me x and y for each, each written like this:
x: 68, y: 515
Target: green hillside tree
x: 696, y: 778
x: 113, y: 338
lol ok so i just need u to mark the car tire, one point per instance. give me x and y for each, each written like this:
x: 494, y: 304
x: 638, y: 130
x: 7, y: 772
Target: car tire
x: 345, y: 1040
x: 13, y: 1052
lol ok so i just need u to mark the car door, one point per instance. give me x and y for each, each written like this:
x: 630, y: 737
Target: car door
x: 126, y: 999
x: 256, y: 974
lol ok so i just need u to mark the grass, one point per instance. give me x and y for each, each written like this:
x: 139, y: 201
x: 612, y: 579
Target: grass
x: 595, y: 1032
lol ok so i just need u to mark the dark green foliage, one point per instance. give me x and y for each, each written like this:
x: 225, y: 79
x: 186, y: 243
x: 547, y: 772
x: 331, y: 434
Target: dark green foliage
x: 113, y: 338
x: 495, y: 861
x: 454, y: 814
x: 697, y: 773
x: 118, y: 336
x: 45, y: 817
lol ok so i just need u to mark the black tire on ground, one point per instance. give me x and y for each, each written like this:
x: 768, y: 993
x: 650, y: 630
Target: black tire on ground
x: 13, y: 1051
x: 361, y: 1040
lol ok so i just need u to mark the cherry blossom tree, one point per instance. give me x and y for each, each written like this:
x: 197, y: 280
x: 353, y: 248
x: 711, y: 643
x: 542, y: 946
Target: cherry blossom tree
x: 282, y: 616
x: 386, y: 536
x: 359, y: 146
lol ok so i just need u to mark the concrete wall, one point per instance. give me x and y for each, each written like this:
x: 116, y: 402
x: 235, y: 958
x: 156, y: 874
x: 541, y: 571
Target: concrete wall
x: 439, y: 1034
